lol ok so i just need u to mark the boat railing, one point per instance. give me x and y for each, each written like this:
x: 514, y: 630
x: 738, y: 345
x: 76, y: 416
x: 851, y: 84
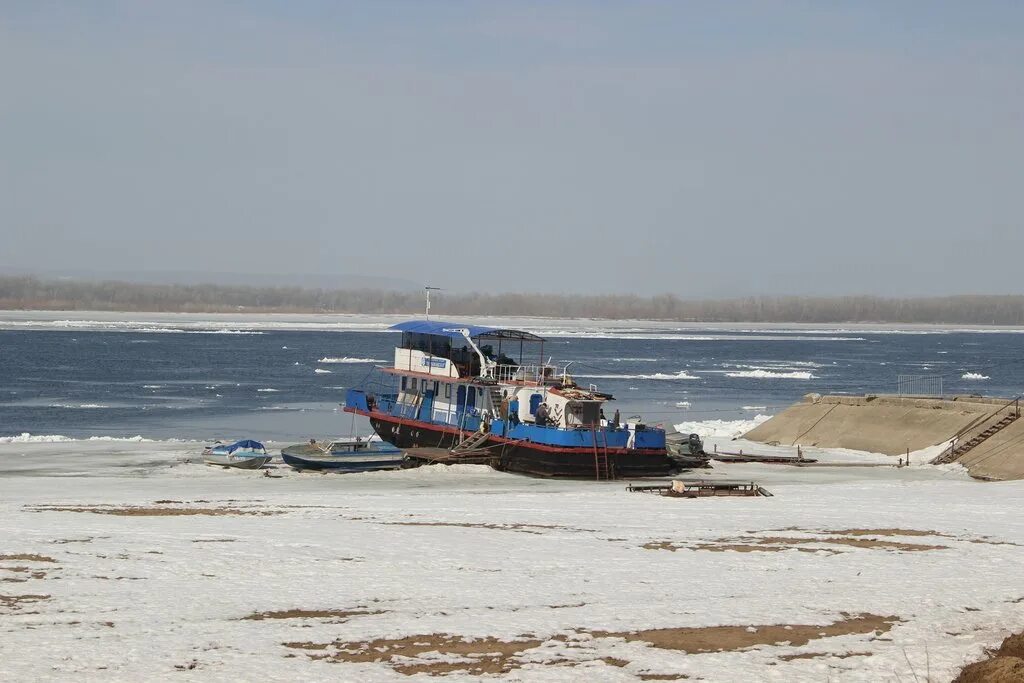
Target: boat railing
x: 538, y: 374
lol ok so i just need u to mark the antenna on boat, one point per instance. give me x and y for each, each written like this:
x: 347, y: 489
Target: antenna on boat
x: 428, y: 289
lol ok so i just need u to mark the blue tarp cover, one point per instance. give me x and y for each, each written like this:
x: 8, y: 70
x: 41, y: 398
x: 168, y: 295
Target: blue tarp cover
x: 442, y: 328
x: 247, y: 443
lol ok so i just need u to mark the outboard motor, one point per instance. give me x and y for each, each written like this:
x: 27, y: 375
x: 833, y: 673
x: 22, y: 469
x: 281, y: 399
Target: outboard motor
x: 696, y: 444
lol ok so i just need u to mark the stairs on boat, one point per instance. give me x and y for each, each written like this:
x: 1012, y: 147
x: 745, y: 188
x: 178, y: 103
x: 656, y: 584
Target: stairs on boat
x: 496, y: 397
x: 956, y: 450
x: 471, y: 442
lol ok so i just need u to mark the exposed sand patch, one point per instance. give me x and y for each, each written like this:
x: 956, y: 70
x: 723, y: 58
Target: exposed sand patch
x: 15, y: 602
x: 27, y: 557
x: 140, y: 511
x: 1005, y: 665
x: 337, y: 615
x: 853, y: 542
x: 434, y: 653
x: 884, y: 532
x: 524, y: 528
x: 716, y: 547
x: 731, y: 638
x: 748, y: 544
x: 480, y: 656
x: 816, y: 655
x: 24, y: 574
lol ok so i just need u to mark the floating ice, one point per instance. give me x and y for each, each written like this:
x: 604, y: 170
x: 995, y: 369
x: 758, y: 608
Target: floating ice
x: 321, y: 371
x: 26, y: 437
x: 721, y: 428
x: 82, y: 406
x: 682, y: 374
x: 768, y: 374
x: 974, y: 376
x: 268, y: 391
x: 346, y: 359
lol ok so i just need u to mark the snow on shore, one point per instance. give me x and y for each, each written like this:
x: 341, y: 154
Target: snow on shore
x: 138, y: 589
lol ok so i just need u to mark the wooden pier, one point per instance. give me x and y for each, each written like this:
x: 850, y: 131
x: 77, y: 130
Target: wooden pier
x: 703, y: 488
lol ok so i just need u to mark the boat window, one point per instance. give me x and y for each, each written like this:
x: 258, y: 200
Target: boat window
x: 447, y: 390
x: 412, y: 384
x: 404, y: 383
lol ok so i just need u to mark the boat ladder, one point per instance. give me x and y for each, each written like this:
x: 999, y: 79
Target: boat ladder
x: 602, y: 467
x: 471, y: 442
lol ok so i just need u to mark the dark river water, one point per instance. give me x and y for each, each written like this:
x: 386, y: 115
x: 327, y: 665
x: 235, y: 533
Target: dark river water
x: 265, y: 385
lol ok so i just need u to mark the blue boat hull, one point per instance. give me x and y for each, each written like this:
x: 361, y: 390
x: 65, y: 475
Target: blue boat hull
x: 303, y: 457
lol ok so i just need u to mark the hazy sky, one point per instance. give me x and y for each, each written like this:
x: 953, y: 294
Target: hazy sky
x: 700, y: 148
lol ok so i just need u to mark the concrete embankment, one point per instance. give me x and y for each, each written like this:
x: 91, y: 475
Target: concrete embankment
x: 893, y: 425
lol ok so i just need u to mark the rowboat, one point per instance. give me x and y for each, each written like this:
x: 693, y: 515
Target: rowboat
x: 244, y: 455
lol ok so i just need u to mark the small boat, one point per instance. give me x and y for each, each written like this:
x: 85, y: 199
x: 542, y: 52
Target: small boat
x: 245, y: 455
x: 344, y: 455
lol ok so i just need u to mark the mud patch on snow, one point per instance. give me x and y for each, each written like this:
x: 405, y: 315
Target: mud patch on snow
x: 523, y: 528
x: 748, y: 544
x: 27, y: 557
x: 817, y: 655
x: 140, y: 511
x: 336, y: 616
x: 886, y: 532
x: 439, y: 654
x: 731, y: 638
x: 15, y: 602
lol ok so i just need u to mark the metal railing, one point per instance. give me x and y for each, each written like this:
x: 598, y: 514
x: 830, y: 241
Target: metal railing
x: 539, y: 374
x: 919, y: 385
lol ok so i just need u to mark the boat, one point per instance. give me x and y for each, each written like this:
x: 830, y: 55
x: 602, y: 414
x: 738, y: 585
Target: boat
x: 344, y: 455
x: 457, y: 387
x: 244, y: 455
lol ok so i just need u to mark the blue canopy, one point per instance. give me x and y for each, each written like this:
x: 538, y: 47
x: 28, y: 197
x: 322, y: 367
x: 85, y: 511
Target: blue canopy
x: 441, y: 328
x: 246, y: 443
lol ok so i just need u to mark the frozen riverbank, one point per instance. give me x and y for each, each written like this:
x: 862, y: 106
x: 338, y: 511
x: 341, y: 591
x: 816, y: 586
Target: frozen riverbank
x: 123, y: 562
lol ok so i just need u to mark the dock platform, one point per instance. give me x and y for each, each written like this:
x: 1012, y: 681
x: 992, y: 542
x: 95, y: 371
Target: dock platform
x: 703, y: 488
x: 444, y: 456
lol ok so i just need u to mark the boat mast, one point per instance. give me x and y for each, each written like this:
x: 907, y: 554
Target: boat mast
x: 427, y: 290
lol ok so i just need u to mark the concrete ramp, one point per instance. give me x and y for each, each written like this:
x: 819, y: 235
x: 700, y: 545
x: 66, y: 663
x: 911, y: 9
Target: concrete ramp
x: 893, y: 425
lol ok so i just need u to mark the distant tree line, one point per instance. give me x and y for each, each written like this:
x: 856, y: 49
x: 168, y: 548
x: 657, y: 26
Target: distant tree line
x: 70, y: 295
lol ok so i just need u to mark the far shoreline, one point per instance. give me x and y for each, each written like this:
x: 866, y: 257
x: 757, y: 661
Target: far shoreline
x: 34, y: 319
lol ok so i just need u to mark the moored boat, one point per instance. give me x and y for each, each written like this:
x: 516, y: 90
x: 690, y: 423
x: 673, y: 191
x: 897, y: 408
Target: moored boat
x: 457, y: 387
x: 344, y: 455
x: 245, y: 455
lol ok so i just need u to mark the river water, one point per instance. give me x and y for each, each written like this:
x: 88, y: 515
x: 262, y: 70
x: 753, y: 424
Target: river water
x: 281, y: 384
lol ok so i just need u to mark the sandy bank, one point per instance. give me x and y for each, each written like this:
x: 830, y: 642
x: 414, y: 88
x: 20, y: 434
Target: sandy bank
x: 894, y: 425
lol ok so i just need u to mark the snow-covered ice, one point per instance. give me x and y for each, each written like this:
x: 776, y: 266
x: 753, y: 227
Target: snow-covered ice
x: 472, y: 552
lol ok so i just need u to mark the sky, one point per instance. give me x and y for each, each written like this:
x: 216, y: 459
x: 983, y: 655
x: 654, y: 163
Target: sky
x: 704, y: 149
